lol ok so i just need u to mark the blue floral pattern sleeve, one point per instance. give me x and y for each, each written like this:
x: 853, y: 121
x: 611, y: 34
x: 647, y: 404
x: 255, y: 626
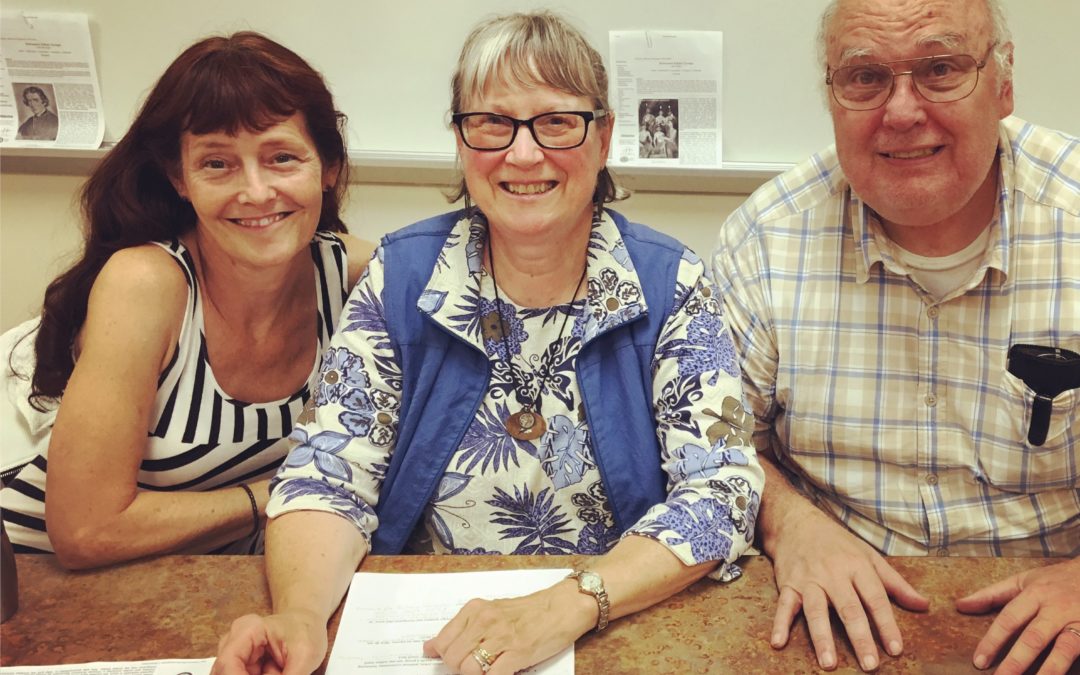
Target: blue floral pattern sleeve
x: 504, y: 495
x: 714, y: 479
x: 344, y: 439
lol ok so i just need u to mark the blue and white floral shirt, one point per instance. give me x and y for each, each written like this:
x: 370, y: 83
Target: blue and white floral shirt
x: 501, y: 495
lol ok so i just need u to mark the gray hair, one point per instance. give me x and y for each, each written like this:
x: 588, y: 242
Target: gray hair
x: 532, y: 49
x: 1000, y: 36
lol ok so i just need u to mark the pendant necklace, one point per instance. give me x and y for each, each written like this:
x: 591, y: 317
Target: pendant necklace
x: 526, y: 424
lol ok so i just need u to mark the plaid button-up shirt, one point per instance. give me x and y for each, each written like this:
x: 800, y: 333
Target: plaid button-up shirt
x: 893, y: 409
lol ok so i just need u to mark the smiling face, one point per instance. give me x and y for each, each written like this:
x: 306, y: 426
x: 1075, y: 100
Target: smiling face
x: 915, y: 162
x: 526, y: 189
x: 257, y: 195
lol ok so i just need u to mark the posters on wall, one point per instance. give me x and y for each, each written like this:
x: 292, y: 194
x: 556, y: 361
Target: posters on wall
x: 666, y: 88
x: 49, y: 93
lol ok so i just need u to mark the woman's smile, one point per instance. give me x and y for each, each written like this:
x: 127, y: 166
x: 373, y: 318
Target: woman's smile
x: 259, y: 222
x: 535, y: 188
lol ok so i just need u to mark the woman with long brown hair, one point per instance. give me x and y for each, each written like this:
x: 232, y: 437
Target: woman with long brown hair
x: 178, y: 350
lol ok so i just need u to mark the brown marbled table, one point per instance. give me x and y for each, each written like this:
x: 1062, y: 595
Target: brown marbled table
x: 177, y: 606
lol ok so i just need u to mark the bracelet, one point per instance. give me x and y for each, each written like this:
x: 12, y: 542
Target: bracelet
x: 254, y: 509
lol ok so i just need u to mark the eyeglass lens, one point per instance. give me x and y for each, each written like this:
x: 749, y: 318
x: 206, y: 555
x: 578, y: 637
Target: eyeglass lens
x: 552, y: 130
x: 939, y: 79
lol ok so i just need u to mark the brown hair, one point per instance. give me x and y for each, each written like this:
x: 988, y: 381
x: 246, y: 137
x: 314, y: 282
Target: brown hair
x: 243, y: 81
x: 35, y: 90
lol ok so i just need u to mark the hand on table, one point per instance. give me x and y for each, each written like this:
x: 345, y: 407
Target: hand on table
x: 1042, y: 606
x: 819, y: 564
x: 285, y: 644
x: 515, y: 633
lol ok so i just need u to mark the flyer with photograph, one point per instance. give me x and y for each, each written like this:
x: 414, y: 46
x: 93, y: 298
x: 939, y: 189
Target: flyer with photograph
x: 49, y: 93
x: 665, y: 87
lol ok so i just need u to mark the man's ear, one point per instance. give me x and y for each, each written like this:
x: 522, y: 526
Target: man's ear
x: 1005, y: 89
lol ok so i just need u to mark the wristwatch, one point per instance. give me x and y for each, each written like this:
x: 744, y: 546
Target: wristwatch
x: 590, y: 583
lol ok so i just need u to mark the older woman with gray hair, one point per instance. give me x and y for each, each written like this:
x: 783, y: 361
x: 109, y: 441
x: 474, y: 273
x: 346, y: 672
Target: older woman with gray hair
x: 532, y: 374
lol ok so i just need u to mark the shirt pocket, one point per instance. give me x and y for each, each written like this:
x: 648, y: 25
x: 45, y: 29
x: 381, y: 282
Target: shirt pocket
x: 1010, y: 462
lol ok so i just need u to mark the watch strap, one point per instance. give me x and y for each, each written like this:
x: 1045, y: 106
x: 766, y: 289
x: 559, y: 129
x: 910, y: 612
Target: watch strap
x: 599, y: 594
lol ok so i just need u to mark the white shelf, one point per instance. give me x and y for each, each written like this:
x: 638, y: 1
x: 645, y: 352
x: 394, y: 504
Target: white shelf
x: 54, y: 161
x: 431, y: 168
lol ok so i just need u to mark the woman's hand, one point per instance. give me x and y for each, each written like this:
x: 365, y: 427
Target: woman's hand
x: 310, y: 560
x: 290, y: 643
x: 521, y: 632
x: 516, y: 632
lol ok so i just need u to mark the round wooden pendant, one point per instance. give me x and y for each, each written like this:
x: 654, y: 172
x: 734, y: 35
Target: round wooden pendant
x: 526, y: 425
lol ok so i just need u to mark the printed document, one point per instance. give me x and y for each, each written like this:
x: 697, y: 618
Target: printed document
x: 166, y: 667
x: 387, y: 618
x: 49, y: 93
x: 665, y: 87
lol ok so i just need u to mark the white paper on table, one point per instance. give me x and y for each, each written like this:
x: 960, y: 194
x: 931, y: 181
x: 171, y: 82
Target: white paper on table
x: 387, y: 618
x: 52, y: 52
x: 162, y: 667
x: 665, y: 88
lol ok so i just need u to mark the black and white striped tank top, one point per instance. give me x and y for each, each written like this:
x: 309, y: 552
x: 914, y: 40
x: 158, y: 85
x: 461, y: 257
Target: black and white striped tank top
x: 200, y: 438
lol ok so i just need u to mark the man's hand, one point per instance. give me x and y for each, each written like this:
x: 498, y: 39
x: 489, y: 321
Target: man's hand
x: 1043, y: 606
x: 819, y: 564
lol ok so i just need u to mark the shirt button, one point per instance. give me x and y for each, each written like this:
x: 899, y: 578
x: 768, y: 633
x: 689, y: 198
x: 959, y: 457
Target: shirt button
x: 931, y: 479
x: 933, y: 312
x: 930, y: 400
x: 942, y: 552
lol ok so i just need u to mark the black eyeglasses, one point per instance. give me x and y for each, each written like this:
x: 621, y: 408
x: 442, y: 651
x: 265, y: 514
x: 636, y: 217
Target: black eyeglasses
x: 938, y: 79
x: 554, y: 130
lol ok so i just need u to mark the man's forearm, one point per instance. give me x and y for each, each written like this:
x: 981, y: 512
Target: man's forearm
x: 781, y: 504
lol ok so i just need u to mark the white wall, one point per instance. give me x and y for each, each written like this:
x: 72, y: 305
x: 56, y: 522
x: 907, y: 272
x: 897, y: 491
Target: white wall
x: 39, y: 232
x: 389, y: 62
x: 39, y: 229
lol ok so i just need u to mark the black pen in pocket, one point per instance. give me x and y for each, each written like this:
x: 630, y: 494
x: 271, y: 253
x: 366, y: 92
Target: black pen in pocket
x: 1047, y: 371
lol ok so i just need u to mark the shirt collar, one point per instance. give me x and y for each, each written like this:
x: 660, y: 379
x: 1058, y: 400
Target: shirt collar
x: 453, y: 296
x: 873, y: 247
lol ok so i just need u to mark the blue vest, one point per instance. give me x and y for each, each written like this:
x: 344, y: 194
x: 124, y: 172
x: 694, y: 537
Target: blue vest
x: 444, y: 380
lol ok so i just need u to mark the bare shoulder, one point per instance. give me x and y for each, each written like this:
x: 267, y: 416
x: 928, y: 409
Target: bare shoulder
x: 146, y: 273
x: 149, y: 263
x: 141, y: 293
x: 359, y: 252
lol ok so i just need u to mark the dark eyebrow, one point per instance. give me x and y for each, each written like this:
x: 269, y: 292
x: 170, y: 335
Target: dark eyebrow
x: 210, y: 142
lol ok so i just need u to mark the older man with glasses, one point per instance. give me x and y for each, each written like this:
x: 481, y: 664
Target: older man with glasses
x: 907, y: 309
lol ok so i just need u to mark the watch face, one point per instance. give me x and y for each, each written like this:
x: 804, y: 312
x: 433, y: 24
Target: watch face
x: 591, y: 582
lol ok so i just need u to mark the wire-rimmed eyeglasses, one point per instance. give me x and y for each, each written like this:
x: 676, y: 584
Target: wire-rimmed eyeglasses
x: 938, y: 79
x: 560, y: 130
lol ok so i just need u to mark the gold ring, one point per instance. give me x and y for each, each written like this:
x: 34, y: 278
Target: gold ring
x: 1072, y: 630
x: 484, y: 658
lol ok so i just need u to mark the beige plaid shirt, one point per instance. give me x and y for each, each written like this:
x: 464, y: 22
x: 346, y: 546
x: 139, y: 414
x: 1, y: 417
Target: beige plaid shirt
x: 894, y: 410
